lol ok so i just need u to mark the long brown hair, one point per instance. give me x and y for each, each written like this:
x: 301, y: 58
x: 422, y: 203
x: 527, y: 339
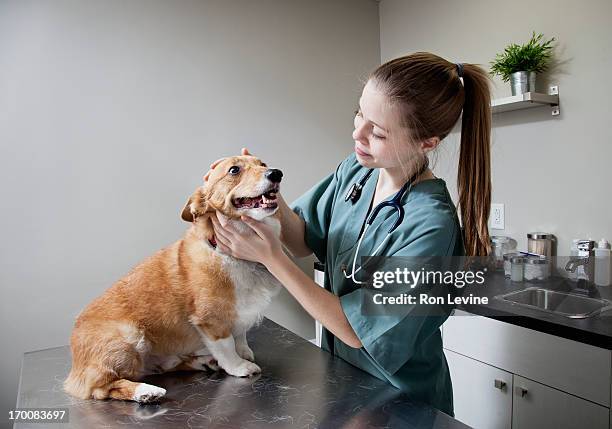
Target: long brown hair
x: 431, y: 96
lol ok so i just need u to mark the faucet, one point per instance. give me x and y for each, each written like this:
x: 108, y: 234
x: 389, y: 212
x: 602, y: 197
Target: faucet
x: 577, y: 261
x: 586, y: 260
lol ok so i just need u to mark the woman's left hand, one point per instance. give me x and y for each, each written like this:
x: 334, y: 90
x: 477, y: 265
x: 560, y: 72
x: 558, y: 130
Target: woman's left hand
x: 261, y: 245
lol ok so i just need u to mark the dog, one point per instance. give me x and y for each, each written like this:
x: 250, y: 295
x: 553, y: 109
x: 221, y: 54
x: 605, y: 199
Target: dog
x: 187, y: 307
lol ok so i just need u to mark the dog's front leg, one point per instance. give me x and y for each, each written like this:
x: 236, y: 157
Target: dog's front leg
x: 224, y: 351
x: 242, y: 347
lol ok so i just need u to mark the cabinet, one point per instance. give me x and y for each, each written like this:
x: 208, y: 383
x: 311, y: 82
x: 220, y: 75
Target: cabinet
x: 482, y: 394
x: 555, y: 382
x: 490, y: 398
x: 319, y: 278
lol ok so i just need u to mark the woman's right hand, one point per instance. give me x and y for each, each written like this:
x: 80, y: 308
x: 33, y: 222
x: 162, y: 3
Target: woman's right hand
x: 292, y: 226
x: 244, y: 151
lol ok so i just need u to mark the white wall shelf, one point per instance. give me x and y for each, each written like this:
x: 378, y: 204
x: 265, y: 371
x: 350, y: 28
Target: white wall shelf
x: 528, y: 100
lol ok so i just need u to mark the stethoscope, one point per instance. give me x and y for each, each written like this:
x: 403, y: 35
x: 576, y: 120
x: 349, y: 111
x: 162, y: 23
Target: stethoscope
x: 353, y: 195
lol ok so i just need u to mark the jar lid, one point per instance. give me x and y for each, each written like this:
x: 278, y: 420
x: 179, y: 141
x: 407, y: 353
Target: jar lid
x: 500, y: 239
x: 509, y: 256
x: 539, y: 235
x: 536, y: 260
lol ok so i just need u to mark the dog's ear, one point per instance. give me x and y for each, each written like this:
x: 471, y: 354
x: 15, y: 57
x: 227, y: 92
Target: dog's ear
x: 196, y: 206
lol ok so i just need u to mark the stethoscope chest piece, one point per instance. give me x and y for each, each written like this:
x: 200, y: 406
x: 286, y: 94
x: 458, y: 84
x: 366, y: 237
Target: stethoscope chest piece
x: 354, y: 192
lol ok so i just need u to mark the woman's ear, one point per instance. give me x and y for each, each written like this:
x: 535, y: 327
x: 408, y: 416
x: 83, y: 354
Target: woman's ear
x: 430, y: 144
x: 196, y: 206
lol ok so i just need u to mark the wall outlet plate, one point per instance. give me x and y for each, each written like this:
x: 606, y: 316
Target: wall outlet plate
x: 497, y: 216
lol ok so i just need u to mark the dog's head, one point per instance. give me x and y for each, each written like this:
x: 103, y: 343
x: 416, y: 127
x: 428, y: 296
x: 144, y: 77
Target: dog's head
x: 239, y: 185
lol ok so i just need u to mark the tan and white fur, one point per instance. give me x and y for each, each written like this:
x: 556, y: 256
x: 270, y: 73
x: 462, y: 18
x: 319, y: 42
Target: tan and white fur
x: 187, y: 307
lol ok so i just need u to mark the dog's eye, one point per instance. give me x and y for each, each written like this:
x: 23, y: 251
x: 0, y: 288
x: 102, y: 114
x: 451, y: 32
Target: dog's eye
x: 234, y: 169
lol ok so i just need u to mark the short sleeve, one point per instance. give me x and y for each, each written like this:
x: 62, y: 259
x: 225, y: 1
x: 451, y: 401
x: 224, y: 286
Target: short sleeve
x: 395, y: 332
x: 315, y: 208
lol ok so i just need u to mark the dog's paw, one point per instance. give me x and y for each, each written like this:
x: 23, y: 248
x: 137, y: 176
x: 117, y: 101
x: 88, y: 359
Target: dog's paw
x: 146, y: 393
x: 245, y: 352
x: 244, y: 369
x: 208, y: 362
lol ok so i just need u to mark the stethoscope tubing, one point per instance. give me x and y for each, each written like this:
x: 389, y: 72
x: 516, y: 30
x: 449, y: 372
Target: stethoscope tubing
x: 395, y: 203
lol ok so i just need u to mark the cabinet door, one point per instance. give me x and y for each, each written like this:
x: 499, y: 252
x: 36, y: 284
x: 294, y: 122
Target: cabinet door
x: 482, y: 394
x: 541, y: 407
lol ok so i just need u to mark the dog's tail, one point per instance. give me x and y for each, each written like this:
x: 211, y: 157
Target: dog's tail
x: 92, y: 383
x: 76, y: 386
x: 84, y: 383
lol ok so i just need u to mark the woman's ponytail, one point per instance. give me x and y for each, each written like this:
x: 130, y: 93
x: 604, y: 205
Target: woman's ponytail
x: 474, y: 173
x: 428, y: 88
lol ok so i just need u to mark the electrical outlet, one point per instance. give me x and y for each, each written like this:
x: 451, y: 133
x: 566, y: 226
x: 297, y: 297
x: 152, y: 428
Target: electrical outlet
x: 497, y: 216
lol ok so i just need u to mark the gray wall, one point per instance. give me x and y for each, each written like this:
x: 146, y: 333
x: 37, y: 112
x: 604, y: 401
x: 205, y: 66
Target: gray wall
x: 563, y: 162
x: 111, y: 111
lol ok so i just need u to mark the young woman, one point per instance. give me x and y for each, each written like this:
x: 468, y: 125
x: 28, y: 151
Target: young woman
x: 407, y: 107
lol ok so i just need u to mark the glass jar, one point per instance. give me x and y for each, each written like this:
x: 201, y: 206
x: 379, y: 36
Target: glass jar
x: 508, y: 263
x: 517, y: 268
x: 499, y: 246
x: 537, y: 269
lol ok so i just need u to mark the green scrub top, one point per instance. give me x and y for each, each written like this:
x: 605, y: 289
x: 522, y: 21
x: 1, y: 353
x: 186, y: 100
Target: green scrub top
x: 405, y: 351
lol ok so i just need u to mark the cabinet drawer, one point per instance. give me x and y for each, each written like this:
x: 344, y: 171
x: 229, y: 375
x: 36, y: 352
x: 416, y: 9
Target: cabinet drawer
x: 580, y: 369
x: 482, y: 394
x: 537, y: 406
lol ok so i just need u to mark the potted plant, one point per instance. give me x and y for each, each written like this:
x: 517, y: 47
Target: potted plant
x: 520, y: 63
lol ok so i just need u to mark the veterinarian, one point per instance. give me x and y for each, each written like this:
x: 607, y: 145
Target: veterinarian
x: 407, y: 107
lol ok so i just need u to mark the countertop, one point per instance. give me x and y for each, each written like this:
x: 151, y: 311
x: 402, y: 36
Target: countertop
x: 300, y: 386
x: 596, y: 330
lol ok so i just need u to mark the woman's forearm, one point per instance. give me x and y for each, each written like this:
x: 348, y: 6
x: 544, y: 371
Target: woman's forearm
x: 318, y: 302
x: 292, y: 230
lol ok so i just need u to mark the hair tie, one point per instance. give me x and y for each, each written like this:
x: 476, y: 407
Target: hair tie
x: 460, y: 69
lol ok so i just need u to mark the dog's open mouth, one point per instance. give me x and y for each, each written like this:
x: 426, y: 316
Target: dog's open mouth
x: 266, y: 200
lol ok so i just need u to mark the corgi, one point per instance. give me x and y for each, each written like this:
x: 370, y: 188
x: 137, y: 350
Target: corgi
x: 187, y: 307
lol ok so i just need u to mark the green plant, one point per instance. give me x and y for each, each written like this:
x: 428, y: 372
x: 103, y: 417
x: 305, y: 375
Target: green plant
x: 532, y: 56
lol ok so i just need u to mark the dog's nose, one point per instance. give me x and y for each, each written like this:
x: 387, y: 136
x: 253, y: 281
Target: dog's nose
x: 274, y: 175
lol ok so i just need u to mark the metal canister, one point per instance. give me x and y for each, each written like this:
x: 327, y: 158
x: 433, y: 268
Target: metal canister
x: 541, y: 243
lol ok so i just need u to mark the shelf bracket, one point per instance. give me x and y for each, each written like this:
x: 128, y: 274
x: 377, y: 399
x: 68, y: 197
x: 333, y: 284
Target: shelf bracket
x: 554, y: 90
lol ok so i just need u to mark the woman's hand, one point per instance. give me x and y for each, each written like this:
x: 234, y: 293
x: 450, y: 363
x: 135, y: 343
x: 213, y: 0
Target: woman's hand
x: 260, y: 245
x: 244, y: 151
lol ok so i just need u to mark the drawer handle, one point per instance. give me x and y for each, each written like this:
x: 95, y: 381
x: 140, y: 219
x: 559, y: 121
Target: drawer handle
x: 500, y: 384
x: 521, y: 391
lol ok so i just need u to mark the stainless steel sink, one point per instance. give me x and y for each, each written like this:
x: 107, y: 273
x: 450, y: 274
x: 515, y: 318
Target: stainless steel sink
x: 562, y: 303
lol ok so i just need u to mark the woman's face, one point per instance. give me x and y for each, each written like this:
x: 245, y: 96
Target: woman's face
x: 380, y: 139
